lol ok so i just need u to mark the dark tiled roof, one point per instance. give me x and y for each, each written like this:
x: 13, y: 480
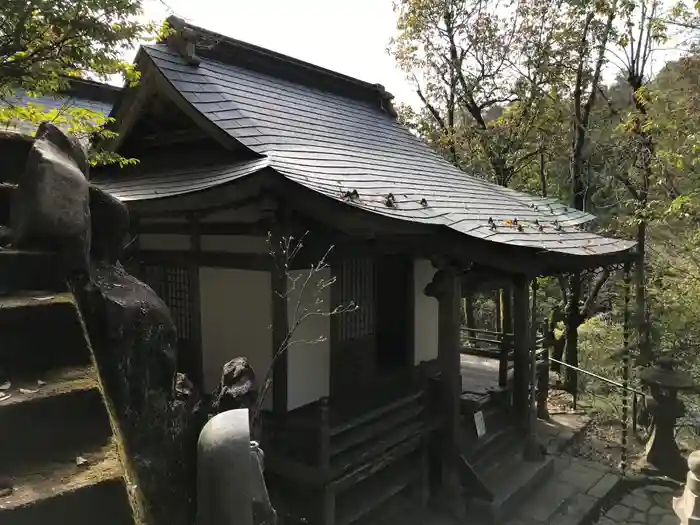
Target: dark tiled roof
x: 335, y: 145
x: 169, y: 183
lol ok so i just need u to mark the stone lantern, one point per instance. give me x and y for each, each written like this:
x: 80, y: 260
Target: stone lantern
x: 664, y: 382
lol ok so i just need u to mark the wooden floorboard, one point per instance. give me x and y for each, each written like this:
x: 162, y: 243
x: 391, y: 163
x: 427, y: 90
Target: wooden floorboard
x: 479, y: 374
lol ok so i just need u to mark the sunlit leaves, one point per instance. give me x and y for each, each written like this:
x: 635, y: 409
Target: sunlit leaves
x: 44, y: 43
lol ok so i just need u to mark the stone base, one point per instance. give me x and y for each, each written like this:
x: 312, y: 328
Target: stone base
x: 677, y: 474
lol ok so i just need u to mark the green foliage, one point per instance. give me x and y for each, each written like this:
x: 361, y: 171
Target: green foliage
x: 500, y: 84
x: 45, y: 43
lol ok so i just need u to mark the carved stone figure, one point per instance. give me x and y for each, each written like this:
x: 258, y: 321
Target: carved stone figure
x: 237, y: 388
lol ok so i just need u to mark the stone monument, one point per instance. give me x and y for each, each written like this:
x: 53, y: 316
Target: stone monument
x: 687, y: 506
x: 664, y: 383
x: 230, y: 484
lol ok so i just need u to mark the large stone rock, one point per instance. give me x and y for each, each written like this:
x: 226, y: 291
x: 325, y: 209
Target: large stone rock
x: 110, y: 226
x: 133, y: 334
x: 159, y: 412
x: 50, y: 209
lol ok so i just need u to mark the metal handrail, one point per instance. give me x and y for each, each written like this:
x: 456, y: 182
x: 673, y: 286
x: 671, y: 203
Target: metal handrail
x: 610, y: 382
x: 465, y: 328
x: 604, y: 379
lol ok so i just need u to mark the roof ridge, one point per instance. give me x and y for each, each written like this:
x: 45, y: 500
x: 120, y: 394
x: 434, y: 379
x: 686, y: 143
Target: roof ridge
x: 237, y: 52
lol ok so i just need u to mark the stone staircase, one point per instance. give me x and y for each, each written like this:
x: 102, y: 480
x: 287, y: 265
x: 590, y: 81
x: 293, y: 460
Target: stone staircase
x: 59, y: 458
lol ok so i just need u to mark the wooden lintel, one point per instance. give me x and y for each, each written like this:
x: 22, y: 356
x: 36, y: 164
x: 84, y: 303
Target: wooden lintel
x: 239, y: 261
x: 206, y: 228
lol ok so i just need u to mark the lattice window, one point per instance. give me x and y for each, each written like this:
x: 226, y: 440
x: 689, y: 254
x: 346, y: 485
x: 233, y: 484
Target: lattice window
x: 173, y: 286
x: 356, y: 284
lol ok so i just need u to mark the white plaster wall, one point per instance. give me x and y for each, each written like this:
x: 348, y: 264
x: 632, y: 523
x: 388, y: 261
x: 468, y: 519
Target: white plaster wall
x: 236, y: 314
x: 164, y: 241
x: 309, y: 362
x: 234, y: 243
x: 425, y: 313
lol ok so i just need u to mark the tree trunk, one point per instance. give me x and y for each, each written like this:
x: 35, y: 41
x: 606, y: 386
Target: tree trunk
x: 543, y: 176
x: 469, y: 311
x: 558, y: 351
x: 572, y: 320
x: 641, y: 314
x: 497, y: 316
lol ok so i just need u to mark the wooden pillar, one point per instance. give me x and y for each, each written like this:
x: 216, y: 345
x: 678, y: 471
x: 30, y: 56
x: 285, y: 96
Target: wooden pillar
x: 446, y: 288
x: 277, y: 228
x: 197, y: 360
x: 521, y: 354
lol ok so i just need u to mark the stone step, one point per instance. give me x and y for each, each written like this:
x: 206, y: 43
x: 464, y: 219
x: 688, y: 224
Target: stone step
x: 511, y: 482
x: 30, y: 270
x: 56, y: 421
x: 87, y: 494
x: 40, y: 331
x: 14, y: 149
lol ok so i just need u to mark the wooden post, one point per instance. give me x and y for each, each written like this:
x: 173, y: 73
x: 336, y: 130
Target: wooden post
x: 506, y: 312
x: 446, y: 288
x: 543, y: 373
x: 532, y: 446
x: 280, y: 329
x: 521, y: 346
x: 273, y: 211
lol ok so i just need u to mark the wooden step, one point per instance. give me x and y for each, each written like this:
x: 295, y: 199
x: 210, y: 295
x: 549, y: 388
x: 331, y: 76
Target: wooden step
x: 40, y: 331
x: 481, y: 457
x: 30, y: 270
x: 86, y: 494
x: 511, y: 482
x: 52, y: 422
x: 495, y: 422
x: 376, y: 491
x: 496, y: 449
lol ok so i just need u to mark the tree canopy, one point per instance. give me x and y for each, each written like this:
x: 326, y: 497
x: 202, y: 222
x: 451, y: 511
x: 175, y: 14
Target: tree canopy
x: 46, y: 43
x: 564, y: 99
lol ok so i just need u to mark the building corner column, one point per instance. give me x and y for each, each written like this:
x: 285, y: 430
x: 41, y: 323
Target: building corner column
x: 446, y: 287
